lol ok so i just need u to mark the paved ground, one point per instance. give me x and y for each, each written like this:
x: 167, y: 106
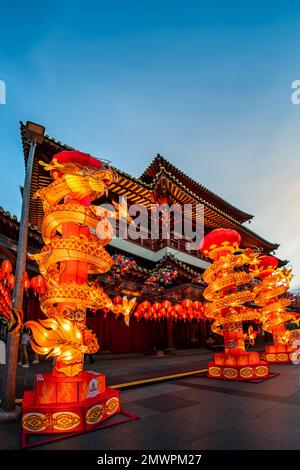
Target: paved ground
x: 196, y: 413
x: 123, y: 368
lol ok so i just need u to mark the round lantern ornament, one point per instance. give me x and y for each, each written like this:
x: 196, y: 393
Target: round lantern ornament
x: 220, y: 242
x: 266, y: 266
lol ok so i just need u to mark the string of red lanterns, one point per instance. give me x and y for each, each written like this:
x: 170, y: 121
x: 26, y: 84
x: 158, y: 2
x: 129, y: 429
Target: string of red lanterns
x: 186, y: 310
x: 7, y: 283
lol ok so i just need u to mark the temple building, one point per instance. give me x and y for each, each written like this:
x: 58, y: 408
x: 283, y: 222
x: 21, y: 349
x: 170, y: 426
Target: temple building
x: 157, y: 269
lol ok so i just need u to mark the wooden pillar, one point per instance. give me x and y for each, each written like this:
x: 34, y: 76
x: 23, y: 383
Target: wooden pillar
x: 170, y: 340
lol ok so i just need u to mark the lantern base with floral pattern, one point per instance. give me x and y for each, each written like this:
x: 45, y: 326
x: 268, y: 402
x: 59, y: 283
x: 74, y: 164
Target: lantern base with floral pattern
x: 242, y: 366
x: 60, y: 404
x: 280, y: 353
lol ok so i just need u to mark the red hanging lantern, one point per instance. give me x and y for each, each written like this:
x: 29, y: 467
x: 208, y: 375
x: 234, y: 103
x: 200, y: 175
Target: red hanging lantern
x: 118, y: 300
x: 38, y: 284
x: 105, y: 311
x: 197, y: 305
x: 10, y: 281
x: 41, y: 285
x: 156, y: 306
x: 137, y: 314
x: 177, y: 308
x: 6, y: 267
x: 161, y: 313
x: 166, y: 304
x: 186, y: 303
x: 27, y: 284
x: 33, y: 283
x: 145, y: 305
x: 190, y: 312
x: 266, y: 266
x: 220, y: 242
x: 151, y: 312
x: 169, y: 312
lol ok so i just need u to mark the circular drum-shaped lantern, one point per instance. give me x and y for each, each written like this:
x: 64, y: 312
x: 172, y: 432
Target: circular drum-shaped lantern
x: 220, y: 242
x: 266, y: 265
x: 73, y: 156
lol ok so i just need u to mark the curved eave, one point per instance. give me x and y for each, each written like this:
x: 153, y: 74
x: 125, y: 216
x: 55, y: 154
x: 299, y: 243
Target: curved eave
x: 160, y: 162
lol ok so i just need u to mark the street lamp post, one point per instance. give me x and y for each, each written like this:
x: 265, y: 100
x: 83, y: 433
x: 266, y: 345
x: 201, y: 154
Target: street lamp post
x: 35, y: 133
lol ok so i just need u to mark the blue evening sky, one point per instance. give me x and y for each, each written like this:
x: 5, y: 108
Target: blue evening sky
x: 206, y: 84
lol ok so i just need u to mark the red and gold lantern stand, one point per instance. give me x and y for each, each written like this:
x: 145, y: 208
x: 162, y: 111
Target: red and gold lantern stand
x: 69, y: 399
x: 228, y: 278
x: 68, y: 404
x: 274, y: 282
x: 279, y: 353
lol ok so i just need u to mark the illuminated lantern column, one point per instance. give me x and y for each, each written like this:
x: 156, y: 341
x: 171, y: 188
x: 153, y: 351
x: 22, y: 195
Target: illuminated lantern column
x: 274, y: 283
x: 70, y: 399
x: 226, y: 296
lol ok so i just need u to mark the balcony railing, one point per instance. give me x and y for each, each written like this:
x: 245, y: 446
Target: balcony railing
x: 158, y: 244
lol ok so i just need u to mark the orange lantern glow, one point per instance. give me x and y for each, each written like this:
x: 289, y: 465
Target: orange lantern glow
x: 271, y: 297
x: 75, y: 233
x: 228, y: 291
x: 72, y: 251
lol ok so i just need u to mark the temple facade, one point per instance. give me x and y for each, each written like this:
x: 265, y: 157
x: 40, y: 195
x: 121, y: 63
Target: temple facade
x: 156, y: 269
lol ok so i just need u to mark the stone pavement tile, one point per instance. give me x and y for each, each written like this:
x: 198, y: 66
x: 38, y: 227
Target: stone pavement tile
x: 250, y: 406
x: 294, y: 399
x: 138, y: 410
x: 219, y: 404
x: 10, y: 435
x: 273, y: 390
x: 148, y: 391
x: 259, y: 434
x: 192, y: 394
x: 284, y: 413
x: 167, y: 425
x: 201, y: 420
x: 219, y: 401
x: 137, y: 434
x: 165, y: 402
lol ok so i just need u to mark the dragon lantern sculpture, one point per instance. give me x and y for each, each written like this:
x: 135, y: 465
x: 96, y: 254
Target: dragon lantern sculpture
x: 271, y: 297
x: 228, y: 295
x: 75, y: 233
